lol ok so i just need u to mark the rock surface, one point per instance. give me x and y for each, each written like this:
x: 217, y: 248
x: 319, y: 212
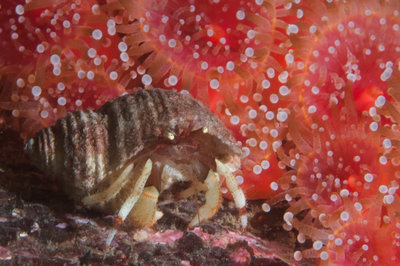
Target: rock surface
x: 40, y: 225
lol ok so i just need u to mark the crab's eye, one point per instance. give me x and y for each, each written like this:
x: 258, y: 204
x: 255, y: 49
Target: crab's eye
x: 171, y: 136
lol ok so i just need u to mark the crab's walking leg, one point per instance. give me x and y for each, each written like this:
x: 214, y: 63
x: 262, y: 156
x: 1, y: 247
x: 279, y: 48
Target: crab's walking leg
x: 145, y: 212
x: 237, y: 193
x: 111, y: 191
x: 131, y: 200
x: 213, y: 199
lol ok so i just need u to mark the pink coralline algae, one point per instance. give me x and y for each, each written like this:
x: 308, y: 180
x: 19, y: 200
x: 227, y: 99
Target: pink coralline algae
x: 310, y: 89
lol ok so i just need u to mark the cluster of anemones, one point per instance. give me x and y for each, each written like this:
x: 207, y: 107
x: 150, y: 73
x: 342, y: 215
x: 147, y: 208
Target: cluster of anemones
x: 341, y: 178
x: 231, y: 55
x: 57, y: 57
x: 309, y: 88
x: 343, y: 134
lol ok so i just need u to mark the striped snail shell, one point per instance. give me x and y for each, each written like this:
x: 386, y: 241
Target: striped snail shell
x: 85, y: 147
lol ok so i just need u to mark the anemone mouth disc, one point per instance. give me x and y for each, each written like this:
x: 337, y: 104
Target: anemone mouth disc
x: 205, y: 41
x: 353, y: 49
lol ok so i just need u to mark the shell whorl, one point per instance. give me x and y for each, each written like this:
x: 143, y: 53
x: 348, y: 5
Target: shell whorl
x: 74, y: 149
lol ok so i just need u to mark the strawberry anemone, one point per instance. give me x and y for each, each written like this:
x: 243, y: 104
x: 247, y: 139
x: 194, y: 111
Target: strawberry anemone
x: 329, y: 161
x: 364, y: 242
x: 336, y: 170
x: 258, y: 119
x: 201, y: 45
x: 386, y: 119
x: 59, y: 56
x: 230, y: 55
x: 366, y: 233
x: 259, y: 129
x: 341, y: 46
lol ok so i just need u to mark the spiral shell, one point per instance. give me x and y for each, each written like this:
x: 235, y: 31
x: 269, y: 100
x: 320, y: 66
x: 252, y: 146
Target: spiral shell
x: 84, y: 147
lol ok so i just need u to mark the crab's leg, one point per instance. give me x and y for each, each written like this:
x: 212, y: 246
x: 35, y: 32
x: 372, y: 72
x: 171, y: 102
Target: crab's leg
x: 213, y: 199
x: 111, y: 191
x: 131, y: 200
x: 145, y: 212
x: 236, y: 191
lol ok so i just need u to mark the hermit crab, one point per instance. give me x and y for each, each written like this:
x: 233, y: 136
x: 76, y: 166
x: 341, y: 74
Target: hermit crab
x: 121, y: 156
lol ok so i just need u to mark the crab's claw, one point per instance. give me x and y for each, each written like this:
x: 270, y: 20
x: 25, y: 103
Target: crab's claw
x: 213, y: 199
x: 145, y: 212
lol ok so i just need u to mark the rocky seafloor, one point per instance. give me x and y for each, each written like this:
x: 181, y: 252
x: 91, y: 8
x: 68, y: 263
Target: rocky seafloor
x: 39, y: 225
